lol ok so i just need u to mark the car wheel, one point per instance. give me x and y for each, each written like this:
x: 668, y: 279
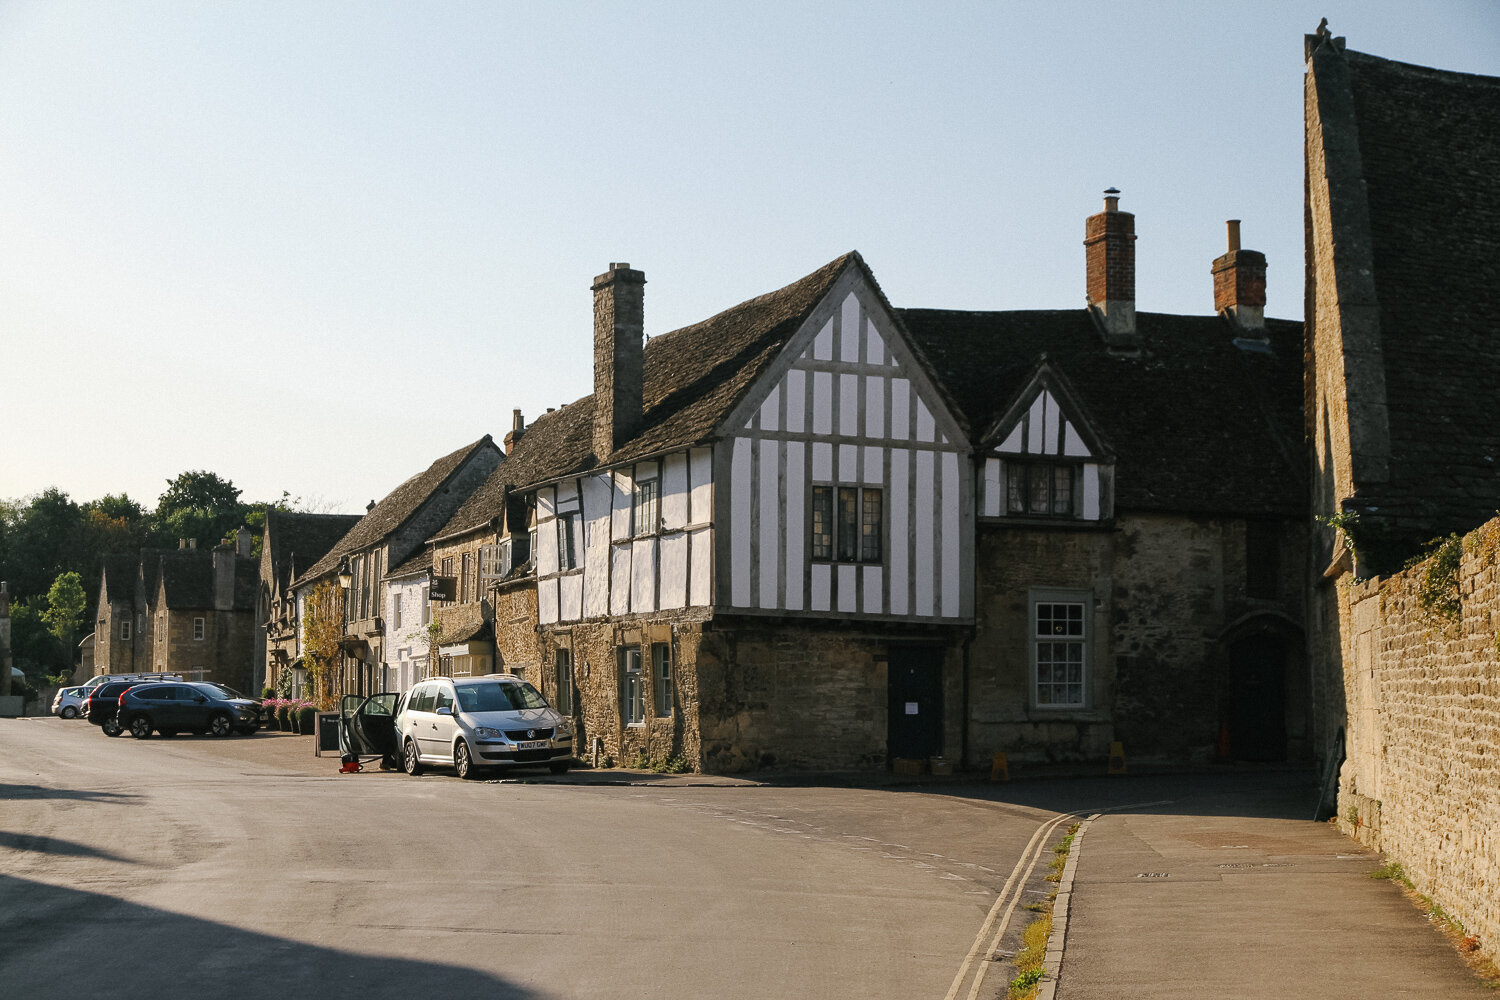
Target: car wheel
x: 559, y: 766
x: 462, y: 762
x: 69, y: 712
x: 221, y: 724
x: 140, y: 727
x: 112, y: 726
x: 410, y: 762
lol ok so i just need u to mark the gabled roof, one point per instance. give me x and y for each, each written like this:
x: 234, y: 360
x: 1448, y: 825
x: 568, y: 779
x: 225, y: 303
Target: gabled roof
x: 119, y: 578
x: 398, y: 506
x: 1427, y: 156
x: 417, y: 564
x: 1195, y: 423
x: 308, y: 537
x: 187, y: 579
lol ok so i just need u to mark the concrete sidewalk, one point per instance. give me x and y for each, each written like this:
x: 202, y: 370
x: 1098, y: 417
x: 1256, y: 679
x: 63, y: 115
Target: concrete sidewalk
x: 1194, y: 900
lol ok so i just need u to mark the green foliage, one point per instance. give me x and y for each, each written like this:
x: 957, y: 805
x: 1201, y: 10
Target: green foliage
x: 65, y: 604
x: 1437, y: 591
x: 1391, y: 871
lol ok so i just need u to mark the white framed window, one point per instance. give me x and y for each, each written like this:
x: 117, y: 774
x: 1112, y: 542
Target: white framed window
x: 1060, y: 648
x: 645, y: 507
x: 632, y: 687
x: 198, y: 629
x: 567, y: 556
x: 125, y: 630
x: 395, y: 611
x: 661, y: 678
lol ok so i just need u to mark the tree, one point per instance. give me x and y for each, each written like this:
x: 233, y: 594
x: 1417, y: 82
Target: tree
x: 198, y: 504
x: 322, y: 628
x: 65, y: 604
x: 43, y: 537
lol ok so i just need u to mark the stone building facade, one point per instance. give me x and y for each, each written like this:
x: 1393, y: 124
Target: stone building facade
x: 291, y: 542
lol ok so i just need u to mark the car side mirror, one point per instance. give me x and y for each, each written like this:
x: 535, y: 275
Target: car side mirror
x: 200, y: 699
x: 445, y: 710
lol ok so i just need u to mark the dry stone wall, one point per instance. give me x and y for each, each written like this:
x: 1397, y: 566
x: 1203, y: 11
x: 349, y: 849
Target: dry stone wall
x: 1421, y: 778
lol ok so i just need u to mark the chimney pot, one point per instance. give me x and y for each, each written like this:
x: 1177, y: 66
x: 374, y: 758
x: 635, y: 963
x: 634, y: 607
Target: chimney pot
x: 1234, y: 234
x: 369, y: 506
x: 517, y: 428
x: 1240, y: 284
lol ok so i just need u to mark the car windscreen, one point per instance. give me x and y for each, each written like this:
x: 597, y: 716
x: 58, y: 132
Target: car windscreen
x: 499, y: 697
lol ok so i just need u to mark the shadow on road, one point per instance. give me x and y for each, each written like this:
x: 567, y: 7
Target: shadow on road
x: 52, y: 845
x: 41, y: 792
x: 135, y: 951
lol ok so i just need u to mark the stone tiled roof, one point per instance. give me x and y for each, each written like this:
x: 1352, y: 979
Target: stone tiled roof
x: 399, y: 505
x: 307, y: 537
x: 419, y: 563
x: 1429, y: 141
x: 119, y: 578
x: 187, y: 577
x: 460, y: 623
x: 1195, y: 423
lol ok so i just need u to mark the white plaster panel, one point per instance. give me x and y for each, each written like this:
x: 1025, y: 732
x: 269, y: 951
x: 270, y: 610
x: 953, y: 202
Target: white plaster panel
x: 739, y: 523
x: 770, y: 410
x: 822, y: 462
x: 546, y: 601
x: 926, y: 426
x: 1050, y: 443
x: 597, y: 493
x: 822, y: 402
x: 1090, y: 491
x: 1073, y: 445
x: 874, y: 344
x: 546, y: 502
x: 873, y: 592
x: 874, y: 472
x: 770, y: 523
x: 567, y: 492
x: 643, y: 574
x: 849, y: 405
x: 1012, y: 443
x: 620, y: 504
x: 546, y: 548
x: 674, y: 491
x: 619, y: 579
x: 850, y: 335
x: 900, y: 508
x: 990, y: 495
x: 701, y: 567
x: 952, y: 538
x: 1034, y: 428
x: 848, y: 588
x: 874, y: 406
x: 848, y: 463
x: 796, y: 498
x: 823, y: 342
x: 900, y: 409
x: 822, y: 587
x: 924, y: 570
x: 570, y: 598
x: 647, y: 471
x: 674, y: 570
x: 796, y: 401
x: 701, y: 483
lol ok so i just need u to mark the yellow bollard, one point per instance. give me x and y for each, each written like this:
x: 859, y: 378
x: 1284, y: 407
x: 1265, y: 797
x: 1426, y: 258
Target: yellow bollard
x: 999, y: 769
x: 1117, y: 757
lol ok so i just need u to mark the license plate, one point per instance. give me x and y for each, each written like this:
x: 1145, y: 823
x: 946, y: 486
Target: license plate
x: 533, y: 745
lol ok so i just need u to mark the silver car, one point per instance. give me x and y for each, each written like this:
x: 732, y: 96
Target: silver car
x: 67, y: 701
x: 470, y: 723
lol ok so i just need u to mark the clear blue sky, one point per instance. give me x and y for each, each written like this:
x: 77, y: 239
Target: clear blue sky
x: 313, y: 246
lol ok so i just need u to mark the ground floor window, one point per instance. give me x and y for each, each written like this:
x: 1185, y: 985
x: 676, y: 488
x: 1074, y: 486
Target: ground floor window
x: 1059, y: 649
x: 661, y: 675
x: 632, y: 687
x: 564, y: 701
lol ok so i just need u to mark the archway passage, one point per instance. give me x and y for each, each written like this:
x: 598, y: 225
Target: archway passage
x: 1257, y: 697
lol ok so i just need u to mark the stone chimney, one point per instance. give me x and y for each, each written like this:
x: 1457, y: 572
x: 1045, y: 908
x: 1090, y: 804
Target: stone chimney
x: 517, y: 428
x: 243, y: 542
x: 224, y: 577
x: 1240, y: 285
x: 369, y: 506
x: 619, y: 329
x: 1109, y: 251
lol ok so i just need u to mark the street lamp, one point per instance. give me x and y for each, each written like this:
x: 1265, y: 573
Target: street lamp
x: 346, y: 574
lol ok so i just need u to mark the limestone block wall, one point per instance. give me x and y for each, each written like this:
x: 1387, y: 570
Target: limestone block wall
x: 1421, y: 778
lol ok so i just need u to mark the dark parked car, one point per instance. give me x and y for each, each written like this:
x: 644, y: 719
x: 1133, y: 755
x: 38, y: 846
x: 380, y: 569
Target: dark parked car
x: 172, y: 708
x: 102, y: 706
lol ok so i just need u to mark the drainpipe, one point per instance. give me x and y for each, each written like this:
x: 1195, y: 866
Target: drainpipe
x: 963, y: 745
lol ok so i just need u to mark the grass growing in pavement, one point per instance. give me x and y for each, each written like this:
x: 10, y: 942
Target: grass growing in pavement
x: 1466, y: 944
x: 1028, y: 960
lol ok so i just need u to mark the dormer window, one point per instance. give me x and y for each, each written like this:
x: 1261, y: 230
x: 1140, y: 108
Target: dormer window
x: 1040, y: 489
x: 1045, y: 461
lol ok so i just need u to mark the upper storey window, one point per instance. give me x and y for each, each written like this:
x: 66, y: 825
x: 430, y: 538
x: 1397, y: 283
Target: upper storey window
x: 1040, y: 489
x: 848, y: 524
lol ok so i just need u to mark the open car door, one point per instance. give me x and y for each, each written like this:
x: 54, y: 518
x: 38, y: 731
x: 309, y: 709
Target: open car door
x: 367, y: 726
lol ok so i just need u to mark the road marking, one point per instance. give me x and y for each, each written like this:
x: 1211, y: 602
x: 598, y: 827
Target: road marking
x: 1009, y: 896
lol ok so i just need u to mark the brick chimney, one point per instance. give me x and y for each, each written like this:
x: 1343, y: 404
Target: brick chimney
x: 619, y: 328
x: 517, y: 428
x: 1240, y: 284
x: 1109, y: 251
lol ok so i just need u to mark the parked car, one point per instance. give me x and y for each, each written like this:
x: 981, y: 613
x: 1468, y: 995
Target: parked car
x: 172, y: 708
x: 65, y: 703
x: 470, y: 723
x: 102, y: 706
x: 98, y: 679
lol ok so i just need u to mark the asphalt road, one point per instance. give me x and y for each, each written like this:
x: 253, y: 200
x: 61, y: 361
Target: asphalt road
x: 245, y: 868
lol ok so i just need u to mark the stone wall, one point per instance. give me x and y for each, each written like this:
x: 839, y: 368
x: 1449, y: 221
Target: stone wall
x: 1421, y: 778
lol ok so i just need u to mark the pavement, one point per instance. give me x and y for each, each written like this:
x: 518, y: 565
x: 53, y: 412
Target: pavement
x: 1239, y: 898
